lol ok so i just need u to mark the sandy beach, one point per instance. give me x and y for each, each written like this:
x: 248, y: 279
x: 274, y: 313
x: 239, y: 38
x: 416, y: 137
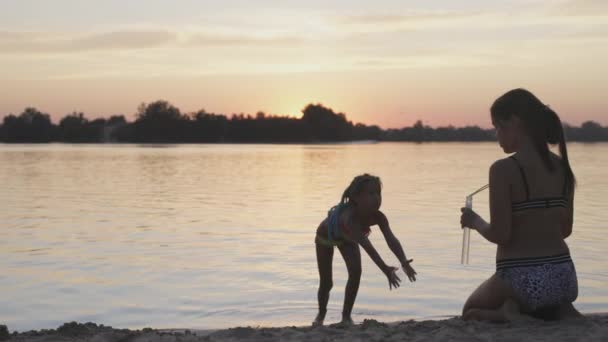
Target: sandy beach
x: 593, y: 328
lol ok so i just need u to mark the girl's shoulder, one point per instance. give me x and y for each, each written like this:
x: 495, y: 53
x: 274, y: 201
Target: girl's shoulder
x: 504, y: 167
x: 504, y: 163
x: 378, y: 219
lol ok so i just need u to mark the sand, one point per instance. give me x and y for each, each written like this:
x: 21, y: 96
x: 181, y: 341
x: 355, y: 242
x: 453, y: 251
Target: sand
x: 594, y: 327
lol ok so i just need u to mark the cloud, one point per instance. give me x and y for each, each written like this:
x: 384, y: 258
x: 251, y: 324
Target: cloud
x: 13, y: 36
x: 379, y: 19
x: 582, y: 8
x: 219, y: 39
x: 15, y: 42
x: 546, y: 22
x: 41, y: 42
x: 408, y: 21
x: 125, y: 40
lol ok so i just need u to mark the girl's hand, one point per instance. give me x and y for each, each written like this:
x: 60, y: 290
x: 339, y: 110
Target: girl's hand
x: 409, y: 270
x: 391, y: 275
x: 468, y: 218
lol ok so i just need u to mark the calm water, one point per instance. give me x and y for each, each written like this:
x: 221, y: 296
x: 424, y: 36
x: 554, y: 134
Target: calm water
x: 212, y: 236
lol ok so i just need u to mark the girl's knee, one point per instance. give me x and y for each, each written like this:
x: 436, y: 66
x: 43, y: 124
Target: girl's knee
x: 354, y: 278
x: 354, y: 272
x: 325, y: 286
x: 470, y: 303
x: 468, y: 309
x: 469, y: 314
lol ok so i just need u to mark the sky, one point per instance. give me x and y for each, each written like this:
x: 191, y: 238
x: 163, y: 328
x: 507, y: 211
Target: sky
x: 384, y: 62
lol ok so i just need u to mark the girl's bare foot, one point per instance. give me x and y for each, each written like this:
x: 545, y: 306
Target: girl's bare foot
x: 347, y: 322
x: 318, y: 322
x: 568, y: 311
x: 512, y: 313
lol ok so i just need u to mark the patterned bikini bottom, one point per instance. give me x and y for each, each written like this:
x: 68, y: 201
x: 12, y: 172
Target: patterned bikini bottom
x: 540, y: 282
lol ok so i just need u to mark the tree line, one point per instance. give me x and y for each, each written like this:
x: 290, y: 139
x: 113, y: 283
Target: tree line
x: 161, y: 122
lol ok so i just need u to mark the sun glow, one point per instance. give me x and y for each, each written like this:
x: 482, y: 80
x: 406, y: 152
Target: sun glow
x: 388, y: 64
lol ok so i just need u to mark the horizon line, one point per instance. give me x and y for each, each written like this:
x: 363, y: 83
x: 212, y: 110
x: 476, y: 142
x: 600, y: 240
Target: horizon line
x: 133, y: 117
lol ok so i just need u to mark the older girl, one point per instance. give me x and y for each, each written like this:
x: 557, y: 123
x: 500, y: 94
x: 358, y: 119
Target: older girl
x: 531, y: 209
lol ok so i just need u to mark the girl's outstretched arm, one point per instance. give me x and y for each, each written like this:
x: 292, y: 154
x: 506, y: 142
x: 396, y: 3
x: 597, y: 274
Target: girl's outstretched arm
x: 395, y: 246
x: 391, y: 239
x: 389, y: 271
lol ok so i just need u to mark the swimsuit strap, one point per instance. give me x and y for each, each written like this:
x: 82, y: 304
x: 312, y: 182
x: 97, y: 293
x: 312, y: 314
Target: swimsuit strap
x: 333, y: 217
x: 523, y: 176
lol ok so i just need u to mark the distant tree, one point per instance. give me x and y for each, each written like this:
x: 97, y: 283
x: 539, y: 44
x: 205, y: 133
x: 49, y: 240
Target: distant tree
x: 279, y: 129
x: 208, y: 127
x: 116, y: 120
x: 589, y: 131
x: 475, y: 133
x: 325, y: 125
x: 74, y: 128
x: 363, y: 132
x: 159, y: 122
x: 420, y: 133
x: 30, y: 126
x: 592, y: 131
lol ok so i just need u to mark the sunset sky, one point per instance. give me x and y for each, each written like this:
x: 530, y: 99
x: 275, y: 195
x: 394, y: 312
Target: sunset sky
x: 385, y: 62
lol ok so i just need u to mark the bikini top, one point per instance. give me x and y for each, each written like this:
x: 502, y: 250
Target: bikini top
x: 337, y: 229
x: 537, y: 203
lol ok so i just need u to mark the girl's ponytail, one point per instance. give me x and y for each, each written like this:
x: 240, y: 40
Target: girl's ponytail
x: 555, y: 135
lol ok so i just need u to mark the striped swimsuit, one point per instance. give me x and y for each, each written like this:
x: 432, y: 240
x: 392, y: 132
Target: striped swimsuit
x: 336, y: 229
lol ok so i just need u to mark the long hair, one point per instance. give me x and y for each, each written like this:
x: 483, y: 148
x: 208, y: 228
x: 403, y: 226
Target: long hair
x: 541, y: 123
x: 356, y: 186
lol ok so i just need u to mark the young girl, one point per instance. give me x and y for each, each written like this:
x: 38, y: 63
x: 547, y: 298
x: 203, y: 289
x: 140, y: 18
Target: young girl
x: 347, y: 226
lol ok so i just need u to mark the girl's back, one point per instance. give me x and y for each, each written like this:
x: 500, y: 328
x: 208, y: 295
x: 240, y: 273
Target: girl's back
x: 537, y: 230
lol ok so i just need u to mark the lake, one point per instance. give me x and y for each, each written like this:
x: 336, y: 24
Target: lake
x: 216, y: 236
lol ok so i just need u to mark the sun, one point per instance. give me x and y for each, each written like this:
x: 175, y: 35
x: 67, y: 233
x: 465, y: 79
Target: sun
x: 289, y: 107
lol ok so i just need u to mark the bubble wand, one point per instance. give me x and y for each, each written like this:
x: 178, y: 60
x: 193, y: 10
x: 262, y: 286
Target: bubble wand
x: 466, y: 232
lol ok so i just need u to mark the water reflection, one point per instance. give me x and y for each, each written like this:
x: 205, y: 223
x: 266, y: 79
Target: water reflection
x: 222, y: 235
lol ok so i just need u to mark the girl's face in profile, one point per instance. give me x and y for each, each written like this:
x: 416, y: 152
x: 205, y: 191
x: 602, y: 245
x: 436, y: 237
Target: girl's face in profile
x: 369, y: 198
x: 507, y: 132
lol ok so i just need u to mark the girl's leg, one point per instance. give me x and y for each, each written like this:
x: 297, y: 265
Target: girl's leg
x: 325, y: 256
x: 493, y: 301
x: 352, y: 257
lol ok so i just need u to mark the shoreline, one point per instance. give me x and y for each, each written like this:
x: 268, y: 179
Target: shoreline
x: 594, y: 327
